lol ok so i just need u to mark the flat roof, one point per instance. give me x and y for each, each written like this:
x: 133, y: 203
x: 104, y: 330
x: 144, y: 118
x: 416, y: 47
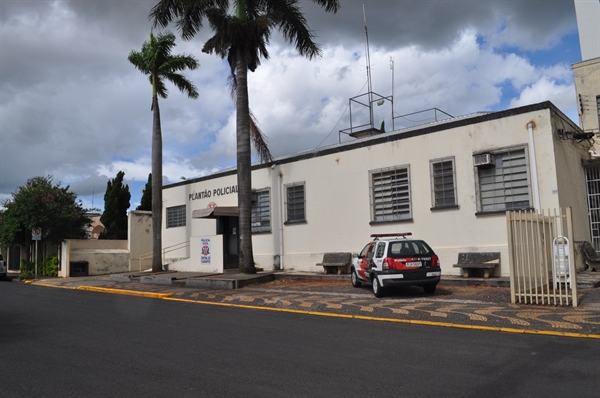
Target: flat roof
x: 395, y: 135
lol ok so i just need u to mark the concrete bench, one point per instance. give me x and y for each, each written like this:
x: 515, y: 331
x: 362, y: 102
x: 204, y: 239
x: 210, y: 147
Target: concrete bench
x: 336, y: 263
x: 486, y: 261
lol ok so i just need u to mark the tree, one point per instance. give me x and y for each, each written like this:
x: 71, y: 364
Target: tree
x: 242, y: 39
x: 42, y: 204
x: 146, y: 201
x: 116, y: 203
x: 156, y: 61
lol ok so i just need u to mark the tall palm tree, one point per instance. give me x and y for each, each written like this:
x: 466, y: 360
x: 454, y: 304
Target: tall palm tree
x: 156, y: 61
x: 242, y: 39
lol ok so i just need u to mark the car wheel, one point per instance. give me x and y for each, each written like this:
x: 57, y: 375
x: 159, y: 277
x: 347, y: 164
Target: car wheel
x: 377, y: 288
x: 429, y: 289
x: 354, y: 278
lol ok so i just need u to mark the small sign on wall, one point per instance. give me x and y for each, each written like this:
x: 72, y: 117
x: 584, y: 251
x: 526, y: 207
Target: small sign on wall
x: 205, y: 251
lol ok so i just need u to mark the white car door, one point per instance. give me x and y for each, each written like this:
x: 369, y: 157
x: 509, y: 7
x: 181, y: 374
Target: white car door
x: 379, y: 256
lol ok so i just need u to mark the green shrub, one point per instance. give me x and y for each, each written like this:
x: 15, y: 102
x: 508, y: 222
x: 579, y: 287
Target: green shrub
x: 51, y: 266
x: 27, y: 269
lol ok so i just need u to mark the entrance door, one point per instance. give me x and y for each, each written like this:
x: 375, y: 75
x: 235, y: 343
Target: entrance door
x: 228, y: 227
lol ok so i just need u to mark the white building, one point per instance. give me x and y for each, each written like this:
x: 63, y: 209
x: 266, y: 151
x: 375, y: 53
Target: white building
x: 449, y: 183
x: 586, y: 75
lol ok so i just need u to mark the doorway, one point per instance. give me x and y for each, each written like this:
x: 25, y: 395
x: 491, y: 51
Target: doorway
x: 228, y: 227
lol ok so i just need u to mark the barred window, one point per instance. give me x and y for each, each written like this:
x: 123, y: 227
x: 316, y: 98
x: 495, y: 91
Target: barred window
x: 261, y: 211
x: 296, y: 203
x: 504, y: 183
x: 443, y: 183
x: 176, y: 216
x: 390, y: 194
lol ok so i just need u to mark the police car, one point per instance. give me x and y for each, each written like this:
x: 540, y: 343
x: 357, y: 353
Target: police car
x: 396, y: 260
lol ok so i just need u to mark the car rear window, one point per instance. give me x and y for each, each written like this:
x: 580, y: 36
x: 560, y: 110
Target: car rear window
x: 409, y: 248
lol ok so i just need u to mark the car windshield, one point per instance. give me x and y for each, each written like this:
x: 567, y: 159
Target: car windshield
x: 409, y: 248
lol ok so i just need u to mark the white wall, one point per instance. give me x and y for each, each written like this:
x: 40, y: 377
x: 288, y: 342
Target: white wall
x: 588, y: 25
x: 139, y: 224
x: 338, y: 211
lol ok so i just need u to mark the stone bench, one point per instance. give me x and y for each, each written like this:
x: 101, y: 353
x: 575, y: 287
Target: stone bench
x: 486, y: 261
x: 336, y: 263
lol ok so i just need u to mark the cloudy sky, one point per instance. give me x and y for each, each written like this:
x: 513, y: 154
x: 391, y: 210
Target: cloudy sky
x: 72, y: 106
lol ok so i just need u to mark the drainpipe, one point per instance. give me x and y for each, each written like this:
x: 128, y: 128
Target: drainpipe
x: 536, y: 191
x: 280, y: 208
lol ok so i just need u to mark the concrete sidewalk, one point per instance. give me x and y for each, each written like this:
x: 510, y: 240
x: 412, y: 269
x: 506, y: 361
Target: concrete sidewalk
x: 474, y: 303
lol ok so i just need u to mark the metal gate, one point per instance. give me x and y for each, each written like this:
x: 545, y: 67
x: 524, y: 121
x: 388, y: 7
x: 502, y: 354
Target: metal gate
x: 541, y: 256
x: 592, y: 177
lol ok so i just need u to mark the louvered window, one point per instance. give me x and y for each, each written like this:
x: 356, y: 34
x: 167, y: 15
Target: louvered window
x: 443, y: 187
x: 505, y: 184
x: 390, y: 194
x: 296, y: 203
x: 176, y: 216
x: 261, y: 211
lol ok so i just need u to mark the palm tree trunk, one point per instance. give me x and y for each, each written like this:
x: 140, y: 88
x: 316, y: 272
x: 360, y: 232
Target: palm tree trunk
x: 244, y: 172
x: 156, y: 188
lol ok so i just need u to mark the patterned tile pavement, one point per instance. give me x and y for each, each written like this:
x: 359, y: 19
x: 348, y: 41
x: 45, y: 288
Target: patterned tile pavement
x: 480, y: 307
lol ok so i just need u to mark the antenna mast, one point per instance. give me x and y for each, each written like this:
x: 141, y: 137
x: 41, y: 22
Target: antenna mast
x: 392, y: 68
x: 370, y: 85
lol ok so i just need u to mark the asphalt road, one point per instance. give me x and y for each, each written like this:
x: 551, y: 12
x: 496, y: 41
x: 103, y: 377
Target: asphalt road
x: 59, y: 342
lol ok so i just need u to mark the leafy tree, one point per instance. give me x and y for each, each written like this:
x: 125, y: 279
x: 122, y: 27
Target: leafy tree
x: 43, y: 204
x: 116, y: 203
x: 146, y: 201
x: 156, y: 61
x: 242, y: 39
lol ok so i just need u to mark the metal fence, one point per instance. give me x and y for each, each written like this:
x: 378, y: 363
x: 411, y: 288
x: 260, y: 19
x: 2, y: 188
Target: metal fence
x: 541, y: 253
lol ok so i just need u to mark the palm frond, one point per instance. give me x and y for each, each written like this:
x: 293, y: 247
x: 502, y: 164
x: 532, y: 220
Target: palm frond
x: 183, y: 84
x: 259, y: 140
x: 157, y: 61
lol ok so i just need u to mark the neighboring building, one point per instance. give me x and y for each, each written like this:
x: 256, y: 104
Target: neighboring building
x: 586, y: 75
x: 96, y: 228
x: 587, y: 72
x: 588, y: 26
x: 449, y: 183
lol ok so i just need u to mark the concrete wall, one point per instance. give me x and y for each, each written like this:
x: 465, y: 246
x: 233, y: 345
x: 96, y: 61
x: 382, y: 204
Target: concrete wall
x: 588, y: 25
x: 103, y: 256
x: 586, y: 75
x: 338, y: 204
x: 139, y: 225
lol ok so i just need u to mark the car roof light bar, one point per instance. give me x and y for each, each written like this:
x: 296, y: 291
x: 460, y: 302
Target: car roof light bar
x: 376, y: 236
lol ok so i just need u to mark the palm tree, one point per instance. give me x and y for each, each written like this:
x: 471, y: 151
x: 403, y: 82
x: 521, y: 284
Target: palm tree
x: 156, y: 61
x: 242, y: 39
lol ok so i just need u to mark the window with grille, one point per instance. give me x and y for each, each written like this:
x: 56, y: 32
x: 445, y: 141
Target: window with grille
x: 176, y: 216
x: 504, y: 185
x: 261, y: 211
x: 443, y: 183
x: 296, y: 203
x: 390, y: 194
x: 598, y: 108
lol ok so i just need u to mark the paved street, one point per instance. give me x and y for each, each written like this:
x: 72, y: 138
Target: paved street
x: 453, y: 305
x: 74, y: 343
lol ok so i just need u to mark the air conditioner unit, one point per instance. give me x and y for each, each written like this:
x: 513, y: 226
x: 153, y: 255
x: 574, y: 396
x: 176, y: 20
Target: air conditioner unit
x: 484, y: 159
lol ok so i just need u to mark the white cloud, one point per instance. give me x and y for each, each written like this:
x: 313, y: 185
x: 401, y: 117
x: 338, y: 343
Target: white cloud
x: 72, y: 105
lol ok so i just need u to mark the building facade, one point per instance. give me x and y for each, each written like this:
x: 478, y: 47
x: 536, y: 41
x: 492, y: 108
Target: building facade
x: 449, y: 183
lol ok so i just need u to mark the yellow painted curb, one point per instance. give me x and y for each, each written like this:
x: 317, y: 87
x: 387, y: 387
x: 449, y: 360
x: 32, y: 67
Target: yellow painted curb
x: 167, y: 296
x: 56, y: 286
x: 124, y: 292
x: 409, y: 321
